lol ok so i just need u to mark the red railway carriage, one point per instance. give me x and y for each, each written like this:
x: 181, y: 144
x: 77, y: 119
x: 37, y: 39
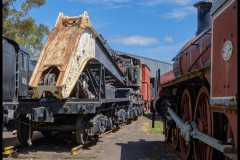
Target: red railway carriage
x: 145, y: 90
x: 199, y: 104
x: 166, y: 77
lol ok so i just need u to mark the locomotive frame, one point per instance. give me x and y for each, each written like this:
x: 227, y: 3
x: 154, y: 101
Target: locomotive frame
x: 199, y: 110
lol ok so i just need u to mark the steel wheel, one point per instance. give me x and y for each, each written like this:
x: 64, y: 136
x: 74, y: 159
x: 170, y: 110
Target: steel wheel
x: 175, y: 138
x: 23, y: 129
x: 171, y: 134
x: 167, y: 131
x: 186, y: 116
x: 81, y: 134
x: 202, y: 118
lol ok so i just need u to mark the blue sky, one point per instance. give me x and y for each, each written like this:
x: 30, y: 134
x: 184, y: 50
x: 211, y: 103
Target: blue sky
x: 155, y: 29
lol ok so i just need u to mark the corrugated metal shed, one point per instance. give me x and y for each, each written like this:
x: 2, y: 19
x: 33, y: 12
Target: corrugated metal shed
x: 153, y: 64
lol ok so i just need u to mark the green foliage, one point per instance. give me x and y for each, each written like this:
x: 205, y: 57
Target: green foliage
x: 19, y: 26
x: 158, y: 128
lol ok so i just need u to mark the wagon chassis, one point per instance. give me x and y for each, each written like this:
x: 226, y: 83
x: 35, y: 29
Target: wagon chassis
x: 73, y: 106
x: 86, y: 117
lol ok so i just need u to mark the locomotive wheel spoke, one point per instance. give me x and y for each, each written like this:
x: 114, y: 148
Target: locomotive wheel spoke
x: 165, y: 129
x: 167, y: 132
x: 202, y: 118
x: 186, y: 116
x: 171, y: 134
x: 175, y: 138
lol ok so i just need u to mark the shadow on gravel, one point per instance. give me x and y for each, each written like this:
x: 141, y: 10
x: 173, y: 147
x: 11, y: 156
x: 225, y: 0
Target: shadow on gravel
x: 147, y: 150
x: 58, y: 143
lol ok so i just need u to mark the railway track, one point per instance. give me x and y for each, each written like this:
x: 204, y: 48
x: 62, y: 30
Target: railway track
x: 76, y: 150
x: 125, y: 142
x: 62, y: 143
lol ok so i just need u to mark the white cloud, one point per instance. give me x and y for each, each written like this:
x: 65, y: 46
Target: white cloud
x: 109, y: 4
x: 175, y: 9
x: 98, y: 1
x: 168, y: 39
x: 179, y: 13
x: 133, y: 40
x: 158, y: 2
x: 164, y: 53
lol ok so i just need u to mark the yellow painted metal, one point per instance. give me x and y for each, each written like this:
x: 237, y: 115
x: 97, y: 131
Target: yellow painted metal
x: 8, y: 150
x: 75, y: 150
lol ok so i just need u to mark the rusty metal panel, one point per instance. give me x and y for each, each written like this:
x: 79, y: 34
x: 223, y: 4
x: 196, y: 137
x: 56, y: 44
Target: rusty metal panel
x: 167, y: 77
x: 194, y: 55
x: 145, y: 73
x: 145, y: 91
x: 70, y: 46
x: 60, y: 49
x: 224, y: 53
x: 145, y: 88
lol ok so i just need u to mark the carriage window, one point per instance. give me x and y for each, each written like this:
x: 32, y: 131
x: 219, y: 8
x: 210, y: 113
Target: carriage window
x: 23, y: 61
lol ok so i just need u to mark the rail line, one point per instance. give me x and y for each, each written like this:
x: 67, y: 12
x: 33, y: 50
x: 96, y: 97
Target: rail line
x: 19, y: 151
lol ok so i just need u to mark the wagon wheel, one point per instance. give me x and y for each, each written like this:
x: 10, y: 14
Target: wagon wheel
x: 202, y: 118
x: 81, y: 134
x: 23, y: 129
x: 186, y: 116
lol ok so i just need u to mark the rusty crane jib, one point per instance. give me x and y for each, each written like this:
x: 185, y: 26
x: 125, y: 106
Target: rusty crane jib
x: 71, y: 44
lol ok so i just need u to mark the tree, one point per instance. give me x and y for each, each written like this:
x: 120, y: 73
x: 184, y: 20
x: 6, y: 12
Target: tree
x: 20, y: 26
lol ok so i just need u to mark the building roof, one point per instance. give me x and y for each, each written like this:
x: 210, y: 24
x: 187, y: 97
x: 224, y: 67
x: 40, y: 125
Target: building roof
x: 152, y: 64
x: 120, y: 52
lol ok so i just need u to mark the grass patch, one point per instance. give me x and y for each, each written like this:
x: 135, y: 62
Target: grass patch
x: 158, y: 128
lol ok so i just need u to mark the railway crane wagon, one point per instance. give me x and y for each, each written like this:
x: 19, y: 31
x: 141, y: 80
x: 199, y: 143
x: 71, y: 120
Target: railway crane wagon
x: 17, y: 68
x: 79, y: 85
x: 199, y: 103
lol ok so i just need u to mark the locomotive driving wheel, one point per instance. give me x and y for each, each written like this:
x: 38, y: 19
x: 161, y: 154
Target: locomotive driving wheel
x: 81, y: 134
x: 175, y: 138
x: 167, y: 131
x: 202, y: 118
x: 186, y: 116
x: 171, y: 133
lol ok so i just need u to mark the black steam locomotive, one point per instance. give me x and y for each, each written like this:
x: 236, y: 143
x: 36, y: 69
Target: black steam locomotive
x: 17, y: 68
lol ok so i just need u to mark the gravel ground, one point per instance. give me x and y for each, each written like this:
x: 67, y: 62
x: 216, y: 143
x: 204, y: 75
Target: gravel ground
x: 131, y: 142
